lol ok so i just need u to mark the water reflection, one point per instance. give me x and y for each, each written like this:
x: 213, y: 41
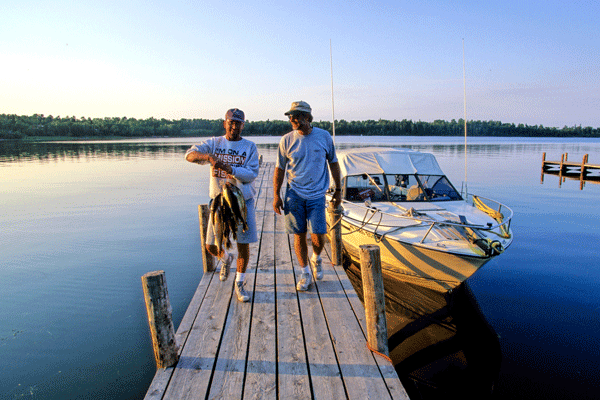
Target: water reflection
x: 441, y: 344
x: 20, y: 151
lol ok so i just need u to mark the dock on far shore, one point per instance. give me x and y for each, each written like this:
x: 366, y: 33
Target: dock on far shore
x: 282, y: 344
x: 564, y: 169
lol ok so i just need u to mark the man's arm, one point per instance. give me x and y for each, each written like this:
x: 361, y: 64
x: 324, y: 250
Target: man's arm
x: 203, y: 158
x: 336, y: 175
x: 277, y: 182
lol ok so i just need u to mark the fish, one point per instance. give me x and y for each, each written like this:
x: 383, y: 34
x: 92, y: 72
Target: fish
x: 216, y: 212
x: 229, y: 223
x: 228, y: 210
x: 235, y: 199
x: 242, y: 204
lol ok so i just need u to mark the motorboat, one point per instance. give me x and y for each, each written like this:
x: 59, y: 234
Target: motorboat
x: 429, y: 233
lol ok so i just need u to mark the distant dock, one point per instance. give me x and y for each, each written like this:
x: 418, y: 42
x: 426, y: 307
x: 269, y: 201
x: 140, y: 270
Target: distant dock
x: 564, y: 169
x: 283, y: 344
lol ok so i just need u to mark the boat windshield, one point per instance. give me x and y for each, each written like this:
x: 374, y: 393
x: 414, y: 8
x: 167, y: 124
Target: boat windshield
x: 399, y: 187
x: 438, y: 188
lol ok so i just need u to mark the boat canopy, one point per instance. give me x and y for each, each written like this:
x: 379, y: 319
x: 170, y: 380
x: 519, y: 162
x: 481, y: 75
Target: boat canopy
x: 386, y: 160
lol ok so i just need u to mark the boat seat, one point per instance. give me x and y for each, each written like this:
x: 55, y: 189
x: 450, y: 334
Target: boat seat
x: 361, y: 194
x: 352, y: 194
x: 415, y: 193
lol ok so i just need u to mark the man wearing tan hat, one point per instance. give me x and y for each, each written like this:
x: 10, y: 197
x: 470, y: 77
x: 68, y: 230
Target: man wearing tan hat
x: 305, y: 153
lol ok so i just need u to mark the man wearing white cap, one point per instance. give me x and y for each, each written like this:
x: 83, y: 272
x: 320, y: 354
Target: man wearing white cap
x: 233, y: 159
x: 305, y: 153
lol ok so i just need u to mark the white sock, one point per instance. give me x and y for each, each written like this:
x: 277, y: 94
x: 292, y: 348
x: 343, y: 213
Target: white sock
x: 306, y: 270
x: 240, y: 276
x: 315, y: 257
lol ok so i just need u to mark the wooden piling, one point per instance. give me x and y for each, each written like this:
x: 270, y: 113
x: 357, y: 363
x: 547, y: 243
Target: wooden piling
x: 374, y: 298
x: 335, y: 233
x: 582, y: 173
x: 160, y: 321
x: 208, y: 261
x: 543, y: 165
x: 563, y: 159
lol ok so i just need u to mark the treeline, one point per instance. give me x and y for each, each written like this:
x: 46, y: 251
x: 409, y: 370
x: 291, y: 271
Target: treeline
x: 39, y: 126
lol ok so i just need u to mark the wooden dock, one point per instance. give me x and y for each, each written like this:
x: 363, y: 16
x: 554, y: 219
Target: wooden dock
x: 283, y: 344
x: 564, y: 169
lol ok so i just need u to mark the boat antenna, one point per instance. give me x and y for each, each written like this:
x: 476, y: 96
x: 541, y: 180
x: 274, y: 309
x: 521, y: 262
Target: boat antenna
x: 465, y: 106
x: 332, y: 108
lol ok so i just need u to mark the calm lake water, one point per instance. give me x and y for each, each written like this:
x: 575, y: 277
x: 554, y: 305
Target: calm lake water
x: 81, y: 222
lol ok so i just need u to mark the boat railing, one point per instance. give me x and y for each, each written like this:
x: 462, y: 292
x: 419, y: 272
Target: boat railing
x: 501, y: 209
x: 502, y: 225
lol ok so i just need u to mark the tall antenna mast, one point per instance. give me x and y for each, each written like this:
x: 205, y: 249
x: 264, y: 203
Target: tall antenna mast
x: 465, y: 102
x: 332, y: 108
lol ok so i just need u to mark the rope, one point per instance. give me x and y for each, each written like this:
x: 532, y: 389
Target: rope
x: 497, y: 215
x: 381, y: 354
x: 358, y: 228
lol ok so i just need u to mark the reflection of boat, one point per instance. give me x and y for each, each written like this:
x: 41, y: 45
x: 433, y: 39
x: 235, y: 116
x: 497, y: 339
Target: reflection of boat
x: 428, y: 234
x: 440, y: 343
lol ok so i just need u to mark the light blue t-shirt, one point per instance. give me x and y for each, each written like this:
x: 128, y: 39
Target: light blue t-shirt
x: 306, y: 159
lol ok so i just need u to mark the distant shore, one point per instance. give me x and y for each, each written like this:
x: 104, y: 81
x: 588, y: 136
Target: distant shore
x: 40, y: 127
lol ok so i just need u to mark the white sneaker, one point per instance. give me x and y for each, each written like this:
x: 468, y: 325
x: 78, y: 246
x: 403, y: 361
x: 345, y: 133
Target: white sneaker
x: 225, y: 266
x: 317, y: 268
x: 240, y: 292
x: 304, y: 282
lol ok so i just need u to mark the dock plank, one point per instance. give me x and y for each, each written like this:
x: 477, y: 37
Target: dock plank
x: 193, y: 372
x: 293, y: 370
x: 324, y: 370
x: 261, y: 379
x: 357, y: 365
x: 230, y: 370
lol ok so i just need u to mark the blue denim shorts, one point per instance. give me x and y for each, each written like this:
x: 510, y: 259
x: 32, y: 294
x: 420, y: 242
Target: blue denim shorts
x: 301, y: 214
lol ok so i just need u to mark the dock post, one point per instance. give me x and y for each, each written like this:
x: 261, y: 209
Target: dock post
x: 582, y: 173
x: 160, y: 321
x: 208, y: 261
x: 335, y: 233
x: 543, y: 166
x: 563, y: 168
x: 374, y: 298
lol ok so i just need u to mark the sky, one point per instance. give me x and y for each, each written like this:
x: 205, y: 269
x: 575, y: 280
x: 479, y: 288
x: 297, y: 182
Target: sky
x: 525, y: 62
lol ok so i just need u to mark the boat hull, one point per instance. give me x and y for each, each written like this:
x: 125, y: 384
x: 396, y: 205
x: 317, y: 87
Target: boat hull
x: 441, y: 271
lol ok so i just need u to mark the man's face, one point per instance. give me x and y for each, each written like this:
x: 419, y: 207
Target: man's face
x: 233, y: 129
x: 299, y: 121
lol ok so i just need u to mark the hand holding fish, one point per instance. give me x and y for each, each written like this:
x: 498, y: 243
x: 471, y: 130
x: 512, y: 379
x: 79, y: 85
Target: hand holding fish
x: 218, y: 164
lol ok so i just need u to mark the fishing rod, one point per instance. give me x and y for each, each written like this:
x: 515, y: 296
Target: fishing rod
x: 465, y: 107
x: 332, y: 108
